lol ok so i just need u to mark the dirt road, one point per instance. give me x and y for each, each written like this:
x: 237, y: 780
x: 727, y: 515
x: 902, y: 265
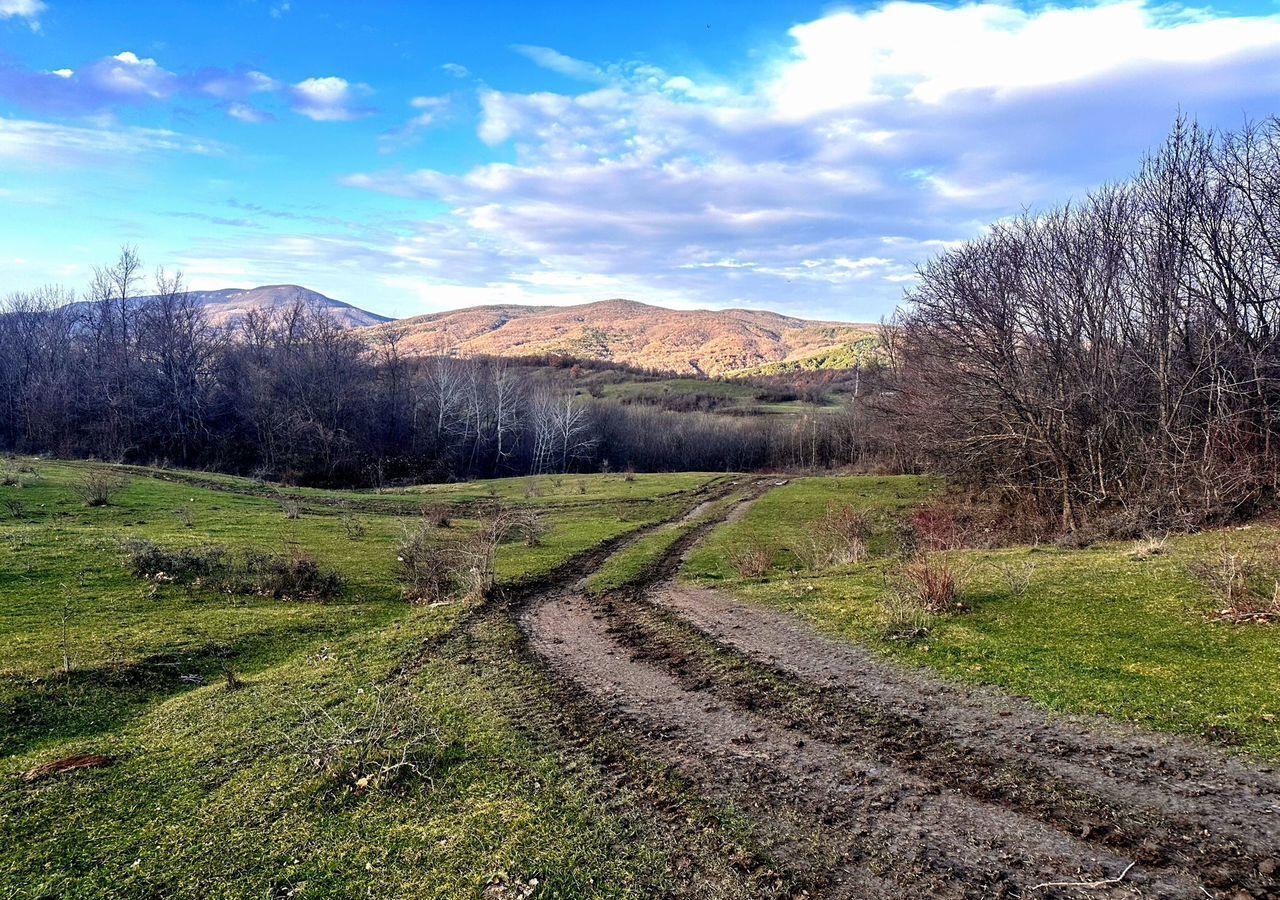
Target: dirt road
x: 867, y: 780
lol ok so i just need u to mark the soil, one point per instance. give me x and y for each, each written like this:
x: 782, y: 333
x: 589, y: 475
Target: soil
x: 862, y: 779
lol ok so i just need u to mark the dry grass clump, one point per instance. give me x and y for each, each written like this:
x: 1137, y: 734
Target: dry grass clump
x: 925, y: 586
x: 1148, y: 547
x: 751, y: 561
x: 838, y: 538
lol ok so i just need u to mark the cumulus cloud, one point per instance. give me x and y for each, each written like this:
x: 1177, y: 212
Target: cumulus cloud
x: 330, y: 99
x: 878, y: 136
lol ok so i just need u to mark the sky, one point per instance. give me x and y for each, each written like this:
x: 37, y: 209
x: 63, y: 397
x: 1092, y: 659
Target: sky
x: 411, y: 158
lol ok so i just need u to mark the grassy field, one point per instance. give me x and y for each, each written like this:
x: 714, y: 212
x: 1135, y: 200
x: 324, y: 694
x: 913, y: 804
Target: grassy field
x: 725, y: 397
x: 214, y: 792
x: 1098, y: 630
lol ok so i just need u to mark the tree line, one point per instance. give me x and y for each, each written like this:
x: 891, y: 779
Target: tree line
x: 136, y: 372
x: 1116, y: 355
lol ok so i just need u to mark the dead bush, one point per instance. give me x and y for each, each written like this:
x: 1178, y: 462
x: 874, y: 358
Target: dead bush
x: 838, y: 538
x: 372, y: 743
x: 284, y: 577
x: 751, y: 561
x: 352, y: 525
x: 428, y: 567
x: 9, y: 476
x: 97, y: 487
x: 629, y: 474
x: 291, y: 508
x: 934, y: 528
x: 1017, y: 576
x: 184, y: 516
x: 1247, y: 586
x: 436, y: 515
x: 931, y: 582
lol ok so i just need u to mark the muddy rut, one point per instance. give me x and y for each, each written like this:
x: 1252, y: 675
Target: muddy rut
x: 868, y: 780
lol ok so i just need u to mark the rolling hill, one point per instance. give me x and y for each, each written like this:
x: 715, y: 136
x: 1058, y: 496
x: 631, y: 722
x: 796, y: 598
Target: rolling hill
x: 225, y: 307
x: 709, y: 342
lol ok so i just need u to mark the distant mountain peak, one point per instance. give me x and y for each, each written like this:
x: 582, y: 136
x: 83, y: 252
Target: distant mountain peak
x: 227, y: 306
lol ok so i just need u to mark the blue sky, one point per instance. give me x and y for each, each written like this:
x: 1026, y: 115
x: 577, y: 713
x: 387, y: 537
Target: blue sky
x: 416, y: 157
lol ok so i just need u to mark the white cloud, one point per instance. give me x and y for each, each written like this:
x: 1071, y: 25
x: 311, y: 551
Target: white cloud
x: 23, y: 9
x: 555, y: 61
x: 41, y: 144
x: 456, y: 70
x: 243, y: 112
x: 875, y: 139
x: 329, y: 99
x: 129, y: 75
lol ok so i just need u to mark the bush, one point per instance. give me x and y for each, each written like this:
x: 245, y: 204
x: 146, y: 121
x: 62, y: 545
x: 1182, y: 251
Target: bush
x: 931, y: 582
x: 298, y: 577
x: 382, y: 737
x: 838, y: 538
x: 295, y: 577
x: 1247, y: 587
x: 436, y: 515
x: 353, y: 526
x: 752, y: 561
x: 96, y: 487
x: 428, y: 567
x: 934, y: 528
x: 292, y: 508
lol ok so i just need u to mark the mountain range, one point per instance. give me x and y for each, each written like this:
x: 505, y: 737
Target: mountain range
x: 708, y: 342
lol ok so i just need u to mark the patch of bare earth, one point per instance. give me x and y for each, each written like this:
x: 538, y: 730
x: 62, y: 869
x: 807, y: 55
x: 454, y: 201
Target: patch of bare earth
x: 882, y: 782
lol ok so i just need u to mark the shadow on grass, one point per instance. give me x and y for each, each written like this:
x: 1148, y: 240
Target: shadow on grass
x: 92, y: 701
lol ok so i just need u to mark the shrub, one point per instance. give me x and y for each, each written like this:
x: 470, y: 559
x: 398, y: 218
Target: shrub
x: 184, y: 516
x: 838, y: 538
x: 436, y: 515
x: 292, y: 508
x: 630, y: 474
x: 931, y: 582
x: 752, y: 561
x: 96, y: 487
x: 1017, y: 577
x: 296, y: 577
x: 9, y: 476
x: 933, y: 528
x: 428, y: 567
x: 1247, y: 587
x: 14, y: 507
x: 353, y: 526
x: 372, y: 744
x: 186, y: 565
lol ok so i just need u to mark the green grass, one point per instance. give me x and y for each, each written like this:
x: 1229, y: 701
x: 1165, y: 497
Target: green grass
x: 208, y: 795
x: 1097, y: 631
x: 627, y: 565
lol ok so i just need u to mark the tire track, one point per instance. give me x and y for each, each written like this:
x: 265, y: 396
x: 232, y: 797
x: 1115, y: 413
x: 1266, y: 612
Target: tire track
x: 898, y: 774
